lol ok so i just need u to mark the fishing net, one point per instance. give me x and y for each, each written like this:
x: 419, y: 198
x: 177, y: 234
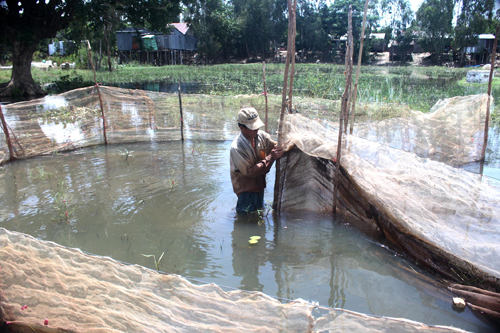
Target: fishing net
x: 71, y: 291
x: 398, y: 174
x: 74, y: 119
x: 445, y: 217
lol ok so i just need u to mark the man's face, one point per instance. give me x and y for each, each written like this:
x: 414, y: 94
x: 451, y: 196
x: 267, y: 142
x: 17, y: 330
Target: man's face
x: 248, y: 133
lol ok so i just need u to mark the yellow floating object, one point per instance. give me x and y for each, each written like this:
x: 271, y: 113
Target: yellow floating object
x: 255, y: 237
x: 253, y: 241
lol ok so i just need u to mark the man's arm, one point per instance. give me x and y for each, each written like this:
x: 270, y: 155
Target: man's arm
x: 246, y: 167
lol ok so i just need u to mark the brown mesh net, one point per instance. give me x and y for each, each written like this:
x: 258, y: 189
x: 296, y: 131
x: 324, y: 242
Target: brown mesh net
x: 445, y: 217
x: 77, y: 292
x: 397, y: 170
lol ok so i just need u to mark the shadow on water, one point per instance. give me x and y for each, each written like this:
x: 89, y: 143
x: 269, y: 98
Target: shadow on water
x: 175, y: 201
x: 186, y: 88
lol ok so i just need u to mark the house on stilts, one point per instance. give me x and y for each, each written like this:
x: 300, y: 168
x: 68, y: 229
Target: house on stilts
x: 177, y: 47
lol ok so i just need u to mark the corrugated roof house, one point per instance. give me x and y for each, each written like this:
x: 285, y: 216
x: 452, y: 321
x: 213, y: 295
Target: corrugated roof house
x: 485, y: 43
x: 181, y: 37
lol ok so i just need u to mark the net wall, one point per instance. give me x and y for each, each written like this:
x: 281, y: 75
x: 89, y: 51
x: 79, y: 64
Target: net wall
x: 446, y: 217
x: 73, y: 120
x: 77, y: 292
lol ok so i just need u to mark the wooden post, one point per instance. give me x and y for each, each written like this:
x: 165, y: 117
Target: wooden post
x: 180, y: 108
x: 290, y: 49
x: 351, y: 128
x: 343, y: 109
x: 99, y: 94
x: 487, y: 122
x: 348, y: 70
x: 292, y: 72
x: 7, y: 135
x: 265, y: 90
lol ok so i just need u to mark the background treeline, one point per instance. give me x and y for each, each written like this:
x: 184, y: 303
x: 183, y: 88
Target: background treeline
x: 230, y: 30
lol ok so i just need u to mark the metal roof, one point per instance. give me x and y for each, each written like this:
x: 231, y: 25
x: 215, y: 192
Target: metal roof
x: 486, y: 36
x: 377, y: 35
x: 182, y: 27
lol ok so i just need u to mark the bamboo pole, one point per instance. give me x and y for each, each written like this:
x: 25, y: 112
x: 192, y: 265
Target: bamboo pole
x: 98, y: 93
x: 182, y: 118
x: 7, y: 136
x: 350, y: 41
x: 343, y: 109
x: 290, y: 48
x: 351, y: 128
x: 487, y: 122
x: 265, y: 90
x: 292, y: 72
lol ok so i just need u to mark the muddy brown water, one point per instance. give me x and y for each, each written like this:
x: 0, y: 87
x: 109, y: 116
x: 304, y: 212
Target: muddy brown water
x: 176, y: 199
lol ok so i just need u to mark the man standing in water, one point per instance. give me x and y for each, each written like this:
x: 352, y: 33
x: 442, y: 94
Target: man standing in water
x: 252, y: 154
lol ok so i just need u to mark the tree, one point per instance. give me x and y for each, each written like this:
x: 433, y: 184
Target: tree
x: 402, y: 18
x: 27, y: 22
x: 311, y: 35
x: 258, y: 23
x: 337, y: 21
x: 434, y: 18
x: 216, y: 28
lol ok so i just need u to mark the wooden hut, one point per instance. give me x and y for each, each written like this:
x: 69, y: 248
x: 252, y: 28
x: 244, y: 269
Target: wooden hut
x: 157, y: 48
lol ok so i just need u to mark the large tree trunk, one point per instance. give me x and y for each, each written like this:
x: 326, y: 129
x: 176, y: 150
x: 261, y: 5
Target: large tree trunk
x: 21, y: 82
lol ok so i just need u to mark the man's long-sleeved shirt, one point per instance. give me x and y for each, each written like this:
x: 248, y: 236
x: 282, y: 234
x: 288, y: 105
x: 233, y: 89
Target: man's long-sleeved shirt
x: 249, y: 166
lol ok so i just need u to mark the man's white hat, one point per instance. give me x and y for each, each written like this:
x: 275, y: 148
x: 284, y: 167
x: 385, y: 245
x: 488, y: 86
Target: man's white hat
x: 250, y: 118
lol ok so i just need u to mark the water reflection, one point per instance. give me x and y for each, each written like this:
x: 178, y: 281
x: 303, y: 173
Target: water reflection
x: 186, y: 88
x: 248, y: 258
x: 176, y: 199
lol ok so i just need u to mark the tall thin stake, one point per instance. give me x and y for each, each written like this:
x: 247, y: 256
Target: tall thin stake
x: 265, y: 90
x: 351, y: 128
x: 349, y: 70
x: 487, y: 123
x: 182, y: 118
x: 290, y: 52
x: 99, y: 94
x: 7, y: 135
x: 343, y: 114
x: 292, y: 72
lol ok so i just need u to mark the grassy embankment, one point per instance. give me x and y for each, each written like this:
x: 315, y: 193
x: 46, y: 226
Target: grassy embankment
x: 418, y: 87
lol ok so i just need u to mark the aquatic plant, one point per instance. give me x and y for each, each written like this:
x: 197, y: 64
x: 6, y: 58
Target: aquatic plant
x: 61, y: 202
x: 264, y: 212
x: 126, y: 154
x: 40, y: 173
x: 171, y: 180
x: 418, y: 87
x: 157, y: 263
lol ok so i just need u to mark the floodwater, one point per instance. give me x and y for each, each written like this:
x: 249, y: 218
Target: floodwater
x: 174, y: 201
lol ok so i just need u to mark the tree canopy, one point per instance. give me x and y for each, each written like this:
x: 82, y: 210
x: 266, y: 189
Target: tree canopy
x: 252, y: 29
x: 434, y: 18
x: 26, y: 22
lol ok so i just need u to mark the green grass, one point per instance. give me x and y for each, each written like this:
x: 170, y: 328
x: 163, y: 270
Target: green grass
x: 418, y: 87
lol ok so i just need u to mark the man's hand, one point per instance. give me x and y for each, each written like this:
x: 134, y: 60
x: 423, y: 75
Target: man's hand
x: 276, y: 153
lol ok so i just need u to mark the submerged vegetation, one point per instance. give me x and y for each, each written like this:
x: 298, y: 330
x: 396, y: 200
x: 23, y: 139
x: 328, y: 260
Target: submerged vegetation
x: 418, y: 87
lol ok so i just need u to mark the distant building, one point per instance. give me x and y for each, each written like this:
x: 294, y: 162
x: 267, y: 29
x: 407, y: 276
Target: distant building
x: 480, y: 53
x: 57, y: 47
x: 484, y: 44
x: 378, y: 42
x: 181, y: 37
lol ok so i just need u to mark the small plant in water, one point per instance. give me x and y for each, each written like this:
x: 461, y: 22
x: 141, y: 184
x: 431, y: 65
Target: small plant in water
x: 157, y: 263
x: 61, y: 202
x: 126, y: 154
x: 171, y: 180
x: 39, y: 173
x: 264, y: 212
